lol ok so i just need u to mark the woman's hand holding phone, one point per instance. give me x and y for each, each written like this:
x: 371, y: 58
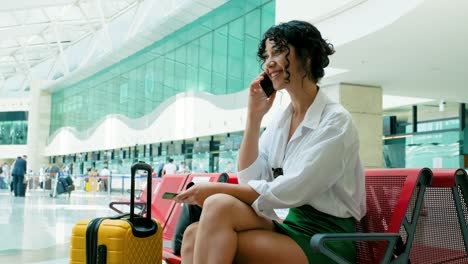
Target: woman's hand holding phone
x: 196, y: 194
x: 267, y: 85
x: 259, y: 102
x: 169, y: 195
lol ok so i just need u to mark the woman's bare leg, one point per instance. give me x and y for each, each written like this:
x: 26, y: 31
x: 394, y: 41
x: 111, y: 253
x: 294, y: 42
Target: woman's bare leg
x: 223, y: 217
x: 266, y: 247
x: 253, y: 246
x: 188, y: 243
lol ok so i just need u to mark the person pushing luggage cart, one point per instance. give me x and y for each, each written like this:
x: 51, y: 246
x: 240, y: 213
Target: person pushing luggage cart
x: 61, y: 184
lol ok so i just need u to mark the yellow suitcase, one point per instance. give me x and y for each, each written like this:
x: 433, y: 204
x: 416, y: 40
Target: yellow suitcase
x: 122, y: 239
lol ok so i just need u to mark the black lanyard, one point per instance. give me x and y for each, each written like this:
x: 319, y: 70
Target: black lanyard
x: 277, y: 172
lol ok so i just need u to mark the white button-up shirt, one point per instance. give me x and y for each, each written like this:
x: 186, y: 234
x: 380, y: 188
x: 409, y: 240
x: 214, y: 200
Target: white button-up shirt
x: 321, y: 164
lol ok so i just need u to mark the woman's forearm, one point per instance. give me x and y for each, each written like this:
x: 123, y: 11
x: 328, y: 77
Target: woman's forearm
x: 243, y: 192
x: 248, y: 152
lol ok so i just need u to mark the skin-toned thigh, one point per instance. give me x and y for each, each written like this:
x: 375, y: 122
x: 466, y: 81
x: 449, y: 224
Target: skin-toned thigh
x: 256, y: 240
x: 263, y: 246
x: 227, y: 209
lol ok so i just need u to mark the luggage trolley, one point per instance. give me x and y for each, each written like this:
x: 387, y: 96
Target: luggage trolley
x: 61, y: 185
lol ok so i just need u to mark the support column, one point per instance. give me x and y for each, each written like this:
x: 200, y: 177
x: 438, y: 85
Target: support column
x: 38, y: 126
x: 365, y: 105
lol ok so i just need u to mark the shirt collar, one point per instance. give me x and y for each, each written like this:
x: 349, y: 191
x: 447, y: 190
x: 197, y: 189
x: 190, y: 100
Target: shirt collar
x: 314, y: 113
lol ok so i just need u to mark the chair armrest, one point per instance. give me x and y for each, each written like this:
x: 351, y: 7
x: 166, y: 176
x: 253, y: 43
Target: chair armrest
x: 142, y: 204
x: 137, y: 192
x: 317, y: 243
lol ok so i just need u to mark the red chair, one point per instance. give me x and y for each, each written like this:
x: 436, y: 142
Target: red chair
x: 394, y: 199
x: 168, y: 253
x: 161, y: 209
x: 140, y: 202
x: 441, y: 232
x: 233, y: 179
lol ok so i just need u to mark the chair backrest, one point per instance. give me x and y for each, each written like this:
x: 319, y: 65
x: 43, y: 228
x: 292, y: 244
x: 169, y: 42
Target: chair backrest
x: 154, y: 187
x: 172, y: 221
x: 161, y: 208
x: 439, y: 233
x: 233, y: 178
x: 391, y: 196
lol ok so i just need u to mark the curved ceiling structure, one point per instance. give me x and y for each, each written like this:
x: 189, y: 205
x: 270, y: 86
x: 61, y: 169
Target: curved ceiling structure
x: 409, y: 47
x: 64, y: 41
x: 422, y: 53
x: 413, y: 48
x: 35, y: 31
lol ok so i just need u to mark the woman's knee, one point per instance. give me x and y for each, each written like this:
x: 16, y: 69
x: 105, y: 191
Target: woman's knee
x: 188, y: 243
x: 188, y: 240
x: 219, y: 204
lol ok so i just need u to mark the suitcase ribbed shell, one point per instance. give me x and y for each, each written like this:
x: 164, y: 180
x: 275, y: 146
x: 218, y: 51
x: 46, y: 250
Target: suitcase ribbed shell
x: 122, y: 246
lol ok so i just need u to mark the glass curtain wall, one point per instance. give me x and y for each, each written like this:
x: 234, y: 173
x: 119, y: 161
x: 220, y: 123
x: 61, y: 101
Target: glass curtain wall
x: 437, y: 143
x: 13, y: 128
x: 215, y: 54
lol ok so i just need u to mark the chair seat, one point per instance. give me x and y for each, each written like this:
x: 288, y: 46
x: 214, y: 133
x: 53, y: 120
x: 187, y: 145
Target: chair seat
x: 170, y: 257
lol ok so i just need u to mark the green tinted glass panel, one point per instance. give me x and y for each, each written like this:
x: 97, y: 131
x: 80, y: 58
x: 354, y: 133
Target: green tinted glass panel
x: 253, y: 28
x: 251, y: 64
x: 206, y: 51
x: 169, y: 72
x: 268, y: 14
x: 220, y: 51
x: 192, y: 53
x: 181, y: 54
x: 235, y: 57
x: 204, y: 80
x: 435, y: 125
x: 191, y: 78
x: 219, y: 83
x: 434, y: 150
x: 180, y: 77
x: 234, y: 84
x: 236, y: 28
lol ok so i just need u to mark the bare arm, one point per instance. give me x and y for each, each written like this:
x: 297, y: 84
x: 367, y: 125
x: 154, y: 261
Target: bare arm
x: 243, y: 192
x: 200, y: 191
x: 258, y: 106
x: 248, y: 152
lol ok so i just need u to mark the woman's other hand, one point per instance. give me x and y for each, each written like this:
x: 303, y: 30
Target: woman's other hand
x: 196, y: 194
x: 259, y: 103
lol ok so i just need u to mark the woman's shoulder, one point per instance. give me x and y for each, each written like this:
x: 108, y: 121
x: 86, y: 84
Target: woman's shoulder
x: 335, y: 112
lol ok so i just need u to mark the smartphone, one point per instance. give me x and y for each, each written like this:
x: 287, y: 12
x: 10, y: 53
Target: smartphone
x: 169, y: 195
x: 267, y: 85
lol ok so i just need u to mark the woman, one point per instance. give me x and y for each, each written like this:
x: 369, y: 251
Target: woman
x: 306, y: 160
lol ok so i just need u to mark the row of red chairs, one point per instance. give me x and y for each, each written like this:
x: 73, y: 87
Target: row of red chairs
x: 413, y: 215
x: 167, y: 211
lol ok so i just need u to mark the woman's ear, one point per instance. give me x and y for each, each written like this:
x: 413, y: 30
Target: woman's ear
x: 306, y: 67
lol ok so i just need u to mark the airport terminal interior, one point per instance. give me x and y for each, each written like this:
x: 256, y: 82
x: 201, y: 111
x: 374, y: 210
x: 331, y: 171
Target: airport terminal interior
x: 87, y: 88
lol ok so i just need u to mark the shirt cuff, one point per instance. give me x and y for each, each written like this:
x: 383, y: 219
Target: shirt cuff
x: 252, y: 172
x: 262, y: 187
x: 268, y: 213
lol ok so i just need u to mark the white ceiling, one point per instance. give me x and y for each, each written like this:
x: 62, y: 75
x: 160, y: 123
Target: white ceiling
x: 34, y: 31
x: 424, y: 53
x: 421, y: 53
x: 64, y: 41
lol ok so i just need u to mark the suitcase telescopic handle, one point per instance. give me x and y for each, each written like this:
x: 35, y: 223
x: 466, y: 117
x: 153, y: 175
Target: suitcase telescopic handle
x: 141, y: 165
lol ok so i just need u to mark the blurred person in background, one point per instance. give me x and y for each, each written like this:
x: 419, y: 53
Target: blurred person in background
x: 18, y: 172
x: 169, y: 168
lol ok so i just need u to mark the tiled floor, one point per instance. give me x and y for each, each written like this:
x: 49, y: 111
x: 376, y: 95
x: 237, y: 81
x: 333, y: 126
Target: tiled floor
x: 37, y: 228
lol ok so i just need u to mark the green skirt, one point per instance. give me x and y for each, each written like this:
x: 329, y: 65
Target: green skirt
x: 303, y: 222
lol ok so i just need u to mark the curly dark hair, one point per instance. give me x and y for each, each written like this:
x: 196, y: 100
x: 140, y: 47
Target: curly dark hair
x: 311, y: 49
